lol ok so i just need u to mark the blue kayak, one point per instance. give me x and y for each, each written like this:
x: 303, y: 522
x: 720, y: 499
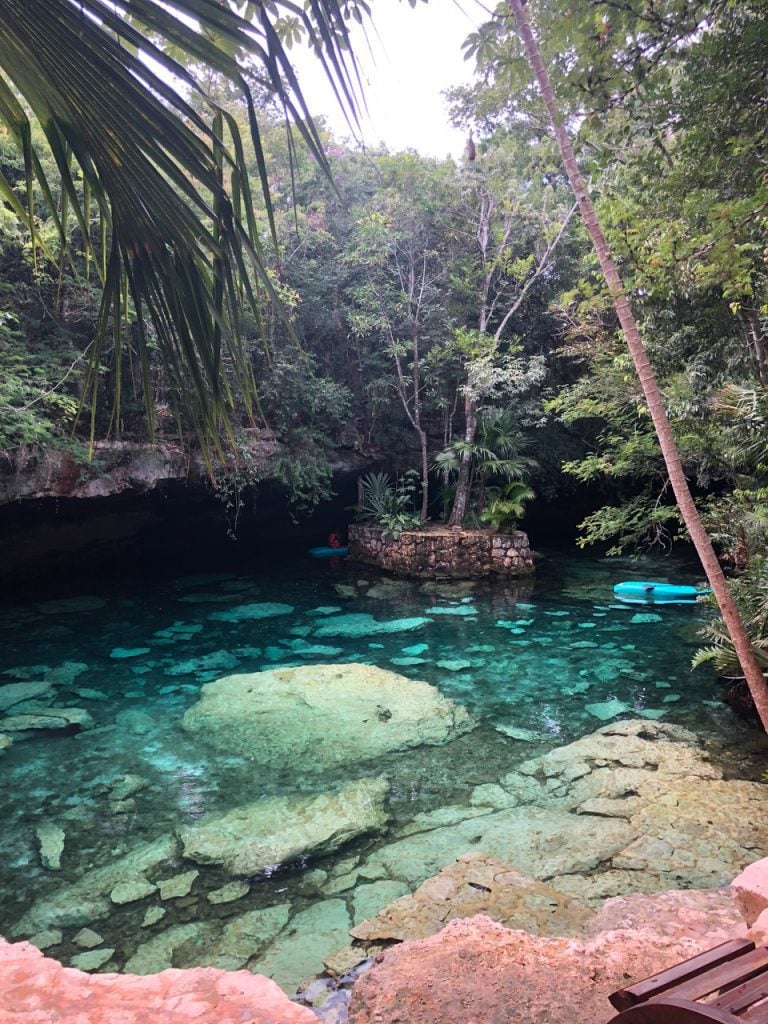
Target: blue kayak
x: 641, y: 592
x: 328, y: 552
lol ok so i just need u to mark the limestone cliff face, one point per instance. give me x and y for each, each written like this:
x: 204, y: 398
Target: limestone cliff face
x: 121, y: 467
x: 117, y: 466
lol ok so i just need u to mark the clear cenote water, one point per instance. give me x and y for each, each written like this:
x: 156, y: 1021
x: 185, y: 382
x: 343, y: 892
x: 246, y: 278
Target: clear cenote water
x: 524, y: 655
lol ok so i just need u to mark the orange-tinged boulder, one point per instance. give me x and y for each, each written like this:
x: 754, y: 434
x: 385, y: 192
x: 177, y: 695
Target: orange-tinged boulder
x: 37, y: 990
x: 476, y: 971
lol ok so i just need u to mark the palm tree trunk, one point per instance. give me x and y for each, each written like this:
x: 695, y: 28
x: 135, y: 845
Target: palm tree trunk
x: 698, y: 534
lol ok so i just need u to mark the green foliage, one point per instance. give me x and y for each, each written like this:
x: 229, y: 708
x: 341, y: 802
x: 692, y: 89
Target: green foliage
x: 238, y: 476
x: 179, y: 243
x: 750, y: 591
x: 497, y: 454
x: 305, y: 412
x: 638, y: 522
x: 388, y: 505
x: 37, y: 401
x: 506, y: 506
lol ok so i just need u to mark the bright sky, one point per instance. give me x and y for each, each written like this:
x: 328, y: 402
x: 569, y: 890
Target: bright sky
x: 416, y: 53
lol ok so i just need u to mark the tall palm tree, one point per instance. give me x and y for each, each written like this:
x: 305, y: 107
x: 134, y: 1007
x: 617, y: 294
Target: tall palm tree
x: 698, y: 534
x: 117, y: 90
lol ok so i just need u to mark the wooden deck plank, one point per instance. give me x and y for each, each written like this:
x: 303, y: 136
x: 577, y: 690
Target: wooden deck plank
x: 739, y: 999
x: 664, y: 980
x: 674, y: 1011
x: 731, y: 972
x: 755, y: 1015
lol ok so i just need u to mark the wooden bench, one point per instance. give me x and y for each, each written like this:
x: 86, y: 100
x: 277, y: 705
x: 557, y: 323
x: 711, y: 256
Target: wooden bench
x: 725, y: 985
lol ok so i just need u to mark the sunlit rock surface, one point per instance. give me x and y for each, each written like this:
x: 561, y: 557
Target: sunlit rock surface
x: 751, y: 889
x: 476, y: 884
x: 477, y: 970
x: 324, y: 715
x: 37, y: 990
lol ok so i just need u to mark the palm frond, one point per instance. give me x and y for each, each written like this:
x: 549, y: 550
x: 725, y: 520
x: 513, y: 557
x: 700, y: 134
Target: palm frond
x: 170, y: 183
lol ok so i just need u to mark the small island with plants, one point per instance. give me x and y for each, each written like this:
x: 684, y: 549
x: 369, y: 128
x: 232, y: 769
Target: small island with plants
x: 391, y: 535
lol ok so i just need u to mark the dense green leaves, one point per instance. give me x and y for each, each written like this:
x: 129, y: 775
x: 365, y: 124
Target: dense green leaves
x: 180, y: 248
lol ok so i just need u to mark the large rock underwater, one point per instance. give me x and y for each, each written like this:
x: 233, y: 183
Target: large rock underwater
x: 188, y: 784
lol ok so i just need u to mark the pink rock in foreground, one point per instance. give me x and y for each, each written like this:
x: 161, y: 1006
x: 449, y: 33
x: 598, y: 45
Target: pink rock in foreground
x: 751, y: 889
x: 476, y: 971
x: 37, y: 990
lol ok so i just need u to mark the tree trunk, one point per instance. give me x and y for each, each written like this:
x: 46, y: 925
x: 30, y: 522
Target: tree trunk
x: 414, y: 417
x: 757, y: 345
x: 461, y: 500
x: 698, y: 534
x: 424, y: 476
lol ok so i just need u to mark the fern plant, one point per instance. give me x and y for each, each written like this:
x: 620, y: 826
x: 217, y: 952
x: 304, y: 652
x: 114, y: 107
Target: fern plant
x: 506, y: 507
x: 386, y: 504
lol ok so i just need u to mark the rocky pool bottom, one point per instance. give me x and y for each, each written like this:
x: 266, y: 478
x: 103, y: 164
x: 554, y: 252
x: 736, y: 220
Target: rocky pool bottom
x: 149, y: 823
x: 480, y: 940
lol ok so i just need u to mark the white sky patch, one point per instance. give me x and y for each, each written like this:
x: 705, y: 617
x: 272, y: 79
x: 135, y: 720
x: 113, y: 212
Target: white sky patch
x: 413, y: 55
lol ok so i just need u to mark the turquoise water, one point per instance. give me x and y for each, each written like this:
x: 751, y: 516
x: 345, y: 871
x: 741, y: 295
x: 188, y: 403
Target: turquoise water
x: 537, y: 662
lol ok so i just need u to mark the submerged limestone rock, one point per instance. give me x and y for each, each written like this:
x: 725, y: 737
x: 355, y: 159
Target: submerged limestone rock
x: 157, y: 954
x: 66, y: 673
x: 126, y: 785
x: 87, y: 938
x: 92, y: 960
x: 284, y: 716
x: 636, y: 806
x: 229, y: 893
x: 48, y: 720
x: 300, y: 950
x: 219, y: 661
x: 278, y: 830
x: 542, y: 842
x: 15, y: 693
x: 88, y: 899
x: 359, y: 624
x: 46, y: 939
x: 177, y: 886
x: 463, y: 610
x: 369, y: 899
x: 250, y: 612
x: 153, y: 916
x: 51, y: 838
x: 244, y: 937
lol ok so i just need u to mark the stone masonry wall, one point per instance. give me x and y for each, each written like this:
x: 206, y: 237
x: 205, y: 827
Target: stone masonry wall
x: 442, y: 552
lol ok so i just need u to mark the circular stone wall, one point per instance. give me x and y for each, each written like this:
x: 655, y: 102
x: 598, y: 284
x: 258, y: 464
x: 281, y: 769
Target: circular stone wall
x: 440, y: 551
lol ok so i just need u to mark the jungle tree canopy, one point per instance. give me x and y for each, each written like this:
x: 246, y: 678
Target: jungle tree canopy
x: 120, y: 94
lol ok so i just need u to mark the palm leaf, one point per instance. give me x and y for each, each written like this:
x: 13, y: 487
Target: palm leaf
x: 179, y: 230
